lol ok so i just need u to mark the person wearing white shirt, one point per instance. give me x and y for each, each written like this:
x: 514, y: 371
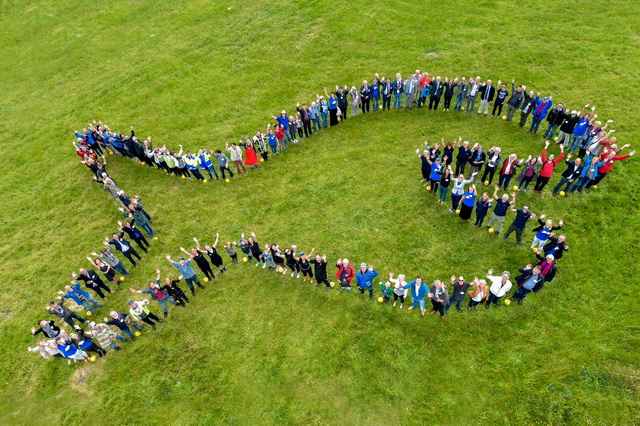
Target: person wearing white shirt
x: 236, y: 157
x: 500, y: 285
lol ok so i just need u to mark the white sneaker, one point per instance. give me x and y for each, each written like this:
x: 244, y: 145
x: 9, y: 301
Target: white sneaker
x: 394, y: 304
x: 292, y: 274
x: 298, y: 276
x: 401, y: 306
x: 264, y: 265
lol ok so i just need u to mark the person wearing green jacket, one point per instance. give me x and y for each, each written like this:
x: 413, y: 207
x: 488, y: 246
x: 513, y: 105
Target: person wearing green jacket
x: 387, y: 291
x: 139, y: 311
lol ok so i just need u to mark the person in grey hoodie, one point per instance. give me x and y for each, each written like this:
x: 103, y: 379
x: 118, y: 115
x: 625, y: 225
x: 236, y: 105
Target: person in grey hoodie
x: 515, y: 100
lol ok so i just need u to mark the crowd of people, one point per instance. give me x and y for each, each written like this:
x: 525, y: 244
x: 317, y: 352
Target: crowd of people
x: 592, y: 147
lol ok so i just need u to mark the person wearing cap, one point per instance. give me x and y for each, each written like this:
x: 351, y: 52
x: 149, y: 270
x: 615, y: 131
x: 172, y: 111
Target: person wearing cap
x: 364, y: 279
x: 458, y: 293
x: 500, y: 285
x: 419, y: 291
x: 571, y: 173
x: 122, y: 321
x: 522, y: 217
x: 555, y: 117
x: 500, y: 210
x: 540, y: 112
x: 140, y: 312
x: 282, y: 119
x: 566, y: 128
x: 439, y: 296
x: 184, y: 266
x: 345, y: 274
x: 529, y: 279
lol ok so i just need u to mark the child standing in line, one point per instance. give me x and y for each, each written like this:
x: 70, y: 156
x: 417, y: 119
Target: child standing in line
x: 231, y: 252
x: 387, y: 291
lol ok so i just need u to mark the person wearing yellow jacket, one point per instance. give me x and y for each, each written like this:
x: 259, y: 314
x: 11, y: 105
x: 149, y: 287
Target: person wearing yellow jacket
x: 139, y: 311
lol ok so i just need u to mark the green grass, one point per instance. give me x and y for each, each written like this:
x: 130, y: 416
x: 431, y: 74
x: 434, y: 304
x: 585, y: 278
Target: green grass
x: 261, y: 348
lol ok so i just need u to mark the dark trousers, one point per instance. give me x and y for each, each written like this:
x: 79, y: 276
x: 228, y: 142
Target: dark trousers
x: 519, y: 232
x: 433, y: 102
x: 212, y: 172
x: 447, y: 101
x: 521, y: 293
x: 386, y: 102
x: 206, y: 270
x: 523, y: 118
x: 128, y: 254
x: 499, y: 107
x: 488, y: 171
x: 141, y: 241
x: 493, y: 299
x: 72, y: 315
x: 99, y: 287
x: 480, y: 218
x: 455, y: 200
x: 460, y: 166
x: 149, y: 317
x: 365, y: 105
x: 196, y: 174
x: 540, y: 183
x: 437, y: 306
x: 190, y: 281
x: 227, y: 169
x: 504, y: 180
x: 525, y: 181
x: 558, y: 187
x: 457, y: 302
x: 306, y: 126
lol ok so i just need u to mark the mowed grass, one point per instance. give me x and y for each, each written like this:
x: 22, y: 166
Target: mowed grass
x: 260, y: 348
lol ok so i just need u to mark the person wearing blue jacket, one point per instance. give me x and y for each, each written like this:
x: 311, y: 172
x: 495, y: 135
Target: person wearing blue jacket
x: 540, y: 112
x: 81, y: 297
x: 206, y: 164
x: 589, y: 172
x: 419, y: 291
x: 365, y: 277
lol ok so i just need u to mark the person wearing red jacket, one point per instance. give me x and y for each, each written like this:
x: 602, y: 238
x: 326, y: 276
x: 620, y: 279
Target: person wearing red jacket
x: 609, y: 162
x: 548, y: 164
x: 345, y: 274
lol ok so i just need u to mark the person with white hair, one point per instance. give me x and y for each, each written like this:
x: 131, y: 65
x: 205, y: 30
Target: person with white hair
x: 345, y: 274
x: 494, y: 158
x: 365, y: 96
x: 500, y: 285
x: 526, y: 107
x: 354, y: 101
x: 397, y: 88
x: 529, y: 279
x: 500, y: 210
x: 566, y: 128
x: 439, y: 296
x: 399, y: 290
x: 411, y: 89
x: 487, y: 93
x: 314, y: 114
x: 375, y: 93
x: 437, y: 89
x: 543, y: 232
x: 472, y: 94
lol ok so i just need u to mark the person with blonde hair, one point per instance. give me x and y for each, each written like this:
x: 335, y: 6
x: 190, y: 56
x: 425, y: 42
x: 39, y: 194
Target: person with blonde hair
x: 354, y: 100
x: 439, y: 296
x: 399, y: 289
x: 479, y: 293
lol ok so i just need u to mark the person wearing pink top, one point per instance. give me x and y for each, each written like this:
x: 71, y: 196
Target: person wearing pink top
x: 548, y: 164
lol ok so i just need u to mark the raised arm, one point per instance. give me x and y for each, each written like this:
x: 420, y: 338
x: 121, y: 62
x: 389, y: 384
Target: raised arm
x: 197, y: 243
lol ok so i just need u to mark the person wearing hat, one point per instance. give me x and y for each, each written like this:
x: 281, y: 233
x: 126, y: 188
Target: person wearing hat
x: 458, y: 293
x: 122, y: 321
x: 184, y: 266
x: 282, y: 119
x: 364, y: 279
x: 345, y: 274
x: 540, y: 112
x: 566, y: 128
x: 419, y: 291
x: 140, y: 312
x: 500, y: 285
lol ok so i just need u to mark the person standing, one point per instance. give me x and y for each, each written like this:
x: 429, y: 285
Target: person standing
x: 439, y: 296
x: 333, y: 107
x: 529, y: 279
x: 463, y: 157
x: 494, y: 158
x: 458, y: 292
x: 399, y: 290
x: 566, y: 128
x: 81, y: 297
x: 449, y: 88
x: 468, y: 201
x: 139, y: 311
x: 157, y: 294
x: 529, y: 173
x: 445, y: 181
x: 123, y: 246
x: 305, y: 116
x: 354, y: 100
x: 419, y: 291
x: 462, y: 88
x: 122, y: 322
x: 107, y: 256
x: 397, y: 88
x: 187, y: 272
x: 345, y: 274
x: 543, y: 232
x: 93, y: 281
x: 223, y: 163
x: 527, y: 107
x: 482, y: 208
x: 474, y: 89
x: 571, y: 173
x: 487, y: 93
x: 508, y: 170
x: 320, y: 269
x: 236, y: 157
x: 556, y: 246
x: 58, y: 309
x: 457, y: 190
x: 515, y: 100
x: 365, y: 96
x: 364, y: 279
x: 206, y: 164
x: 546, y: 171
x: 411, y: 88
x: 478, y: 294
x: 343, y: 103
x: 134, y: 234
x: 588, y: 174
x: 500, y: 210
x: 555, y: 117
x: 500, y: 285
x: 387, y: 91
x: 477, y: 160
x: 501, y: 98
x: 437, y: 89
x: 522, y: 217
x: 375, y: 93
x: 540, y: 112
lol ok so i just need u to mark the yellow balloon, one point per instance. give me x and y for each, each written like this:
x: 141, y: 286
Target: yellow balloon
x: 122, y: 278
x: 137, y: 333
x: 155, y: 238
x: 93, y: 358
x: 205, y: 181
x: 89, y: 313
x: 205, y: 279
x: 332, y: 284
x: 555, y: 139
x: 262, y: 160
x: 595, y: 187
x: 562, y: 193
x: 462, y: 109
x: 184, y: 177
x: 142, y: 163
x: 486, y: 183
x: 429, y: 188
x: 504, y: 117
x: 458, y: 211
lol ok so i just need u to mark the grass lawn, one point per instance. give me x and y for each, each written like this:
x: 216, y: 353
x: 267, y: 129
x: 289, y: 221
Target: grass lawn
x: 256, y: 347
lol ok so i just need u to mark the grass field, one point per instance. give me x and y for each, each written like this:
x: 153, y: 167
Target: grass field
x: 261, y: 348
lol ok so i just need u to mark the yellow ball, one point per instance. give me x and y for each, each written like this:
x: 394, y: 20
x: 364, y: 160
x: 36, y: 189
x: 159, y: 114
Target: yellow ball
x: 429, y: 188
x: 142, y: 163
x: 507, y: 302
x: 491, y: 230
x: 555, y: 139
x: 339, y: 118
x: 515, y: 187
x: 110, y: 152
x: 533, y: 249
x: 486, y: 183
x: 155, y: 238
x: 245, y: 259
x: 93, y: 358
x: 89, y: 313
x: 184, y: 177
x: 227, y: 180
x: 332, y: 284
x: 262, y: 160
x: 504, y: 117
x: 205, y: 279
x: 462, y: 109
x: 122, y: 278
x: 205, y: 181
x: 458, y: 211
x: 595, y: 186
x: 137, y: 334
x: 380, y: 299
x: 562, y: 194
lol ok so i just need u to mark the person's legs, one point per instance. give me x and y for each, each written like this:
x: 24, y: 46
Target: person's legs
x: 443, y: 194
x: 397, y: 98
x: 480, y: 218
x: 492, y: 220
x: 543, y: 183
x: 133, y: 252
x: 129, y: 333
x: 510, y: 111
x: 509, y: 231
x: 499, y: 222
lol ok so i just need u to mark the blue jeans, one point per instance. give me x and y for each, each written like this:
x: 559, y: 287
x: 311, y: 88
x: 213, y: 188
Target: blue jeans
x: 147, y: 229
x: 129, y: 333
x: 521, y: 293
x: 120, y: 268
x: 316, y: 124
x: 551, y: 131
x: 575, y: 143
x: 274, y: 149
x: 375, y: 100
x: 163, y: 303
x: 212, y: 172
x: 397, y: 100
x: 416, y: 302
x: 457, y: 302
x: 579, y: 184
x: 563, y: 181
x: 535, y: 123
x: 443, y: 193
x: 94, y: 302
x: 471, y: 104
x: 458, y: 104
x: 190, y: 281
x: 325, y: 119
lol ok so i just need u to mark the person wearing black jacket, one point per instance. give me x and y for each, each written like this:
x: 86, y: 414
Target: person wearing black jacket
x: 93, y: 281
x: 530, y: 279
x: 459, y: 289
x: 463, y: 156
x: 571, y: 173
x: 556, y: 246
x: 343, y: 101
x: 172, y: 289
x: 555, y: 117
x: 386, y: 91
x: 365, y: 96
x: 566, y: 128
x: 449, y: 88
x: 477, y: 160
x: 48, y: 328
x: 501, y: 98
x: 437, y: 88
x: 320, y: 269
x: 548, y: 268
x: 527, y: 107
x: 486, y: 93
x: 133, y: 234
x: 515, y: 100
x: 306, y: 120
